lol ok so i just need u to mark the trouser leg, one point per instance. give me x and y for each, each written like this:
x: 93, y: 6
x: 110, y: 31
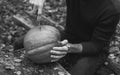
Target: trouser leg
x: 84, y: 65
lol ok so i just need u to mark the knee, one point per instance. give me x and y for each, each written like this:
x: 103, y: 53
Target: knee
x: 85, y: 66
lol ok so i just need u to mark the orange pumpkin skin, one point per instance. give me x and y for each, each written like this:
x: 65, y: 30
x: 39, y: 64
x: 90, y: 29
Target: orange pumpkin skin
x: 43, y: 37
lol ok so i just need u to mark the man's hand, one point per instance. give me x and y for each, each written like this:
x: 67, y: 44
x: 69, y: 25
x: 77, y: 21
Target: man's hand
x: 59, y: 52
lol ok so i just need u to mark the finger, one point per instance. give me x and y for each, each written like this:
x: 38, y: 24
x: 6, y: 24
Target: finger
x: 54, y: 60
x: 57, y: 52
x: 56, y: 57
x: 64, y: 42
x: 64, y: 48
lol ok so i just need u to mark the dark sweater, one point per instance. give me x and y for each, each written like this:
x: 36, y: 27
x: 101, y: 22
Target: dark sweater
x: 91, y: 23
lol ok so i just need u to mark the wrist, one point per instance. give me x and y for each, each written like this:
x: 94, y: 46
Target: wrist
x: 74, y: 48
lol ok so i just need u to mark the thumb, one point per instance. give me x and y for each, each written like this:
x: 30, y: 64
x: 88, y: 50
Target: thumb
x: 64, y: 42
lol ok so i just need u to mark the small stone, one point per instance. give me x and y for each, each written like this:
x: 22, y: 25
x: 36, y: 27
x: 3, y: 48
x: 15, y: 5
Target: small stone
x: 56, y: 68
x: 17, y: 60
x: 17, y: 64
x: 9, y: 37
x: 61, y: 73
x: 11, y: 50
x: 47, y: 7
x: 18, y: 72
x: 11, y: 67
x: 2, y: 46
x: 6, y: 56
x: 41, y: 71
x: 106, y: 63
x: 22, y: 56
x: 111, y: 56
x: 117, y: 59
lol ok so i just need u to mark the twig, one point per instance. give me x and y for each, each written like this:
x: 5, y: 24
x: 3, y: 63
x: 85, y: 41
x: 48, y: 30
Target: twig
x: 21, y: 20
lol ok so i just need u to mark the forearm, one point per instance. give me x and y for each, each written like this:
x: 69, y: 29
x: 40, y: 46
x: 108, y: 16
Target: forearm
x: 75, y: 48
x: 87, y: 48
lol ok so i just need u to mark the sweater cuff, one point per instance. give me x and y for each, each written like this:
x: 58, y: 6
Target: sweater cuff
x: 89, y: 48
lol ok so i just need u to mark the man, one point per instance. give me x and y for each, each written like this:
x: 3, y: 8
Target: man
x: 90, y: 25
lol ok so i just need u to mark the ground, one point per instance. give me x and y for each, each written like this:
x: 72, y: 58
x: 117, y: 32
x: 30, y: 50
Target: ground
x: 12, y: 62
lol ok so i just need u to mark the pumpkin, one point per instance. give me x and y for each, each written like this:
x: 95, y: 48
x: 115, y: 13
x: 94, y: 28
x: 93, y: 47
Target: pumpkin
x: 44, y: 38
